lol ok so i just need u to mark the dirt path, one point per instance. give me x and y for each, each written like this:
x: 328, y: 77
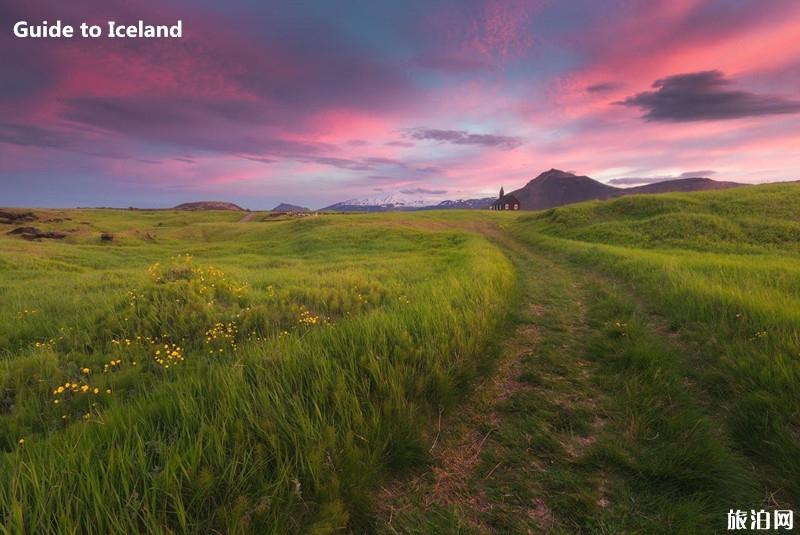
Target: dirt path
x: 475, y: 452
x: 589, y: 423
x: 248, y: 217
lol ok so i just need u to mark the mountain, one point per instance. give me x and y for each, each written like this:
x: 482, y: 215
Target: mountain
x: 549, y: 189
x: 555, y: 188
x: 682, y: 184
x: 394, y: 201
x: 382, y: 203
x: 209, y: 205
x: 286, y: 207
x: 462, y: 204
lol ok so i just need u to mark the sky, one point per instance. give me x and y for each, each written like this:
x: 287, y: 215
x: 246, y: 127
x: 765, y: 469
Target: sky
x: 261, y: 102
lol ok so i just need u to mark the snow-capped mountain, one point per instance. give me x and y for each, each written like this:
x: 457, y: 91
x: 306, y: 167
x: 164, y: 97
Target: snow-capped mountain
x: 387, y: 201
x: 465, y: 204
x: 398, y: 201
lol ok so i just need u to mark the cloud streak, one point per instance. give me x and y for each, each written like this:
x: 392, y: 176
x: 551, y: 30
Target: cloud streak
x: 603, y: 87
x: 462, y: 137
x: 423, y: 191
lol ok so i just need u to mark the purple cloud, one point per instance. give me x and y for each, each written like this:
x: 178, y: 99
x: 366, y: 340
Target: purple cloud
x: 342, y: 163
x: 423, y: 191
x: 703, y: 96
x: 383, y: 161
x: 462, y: 137
x: 399, y: 144
x: 604, y: 87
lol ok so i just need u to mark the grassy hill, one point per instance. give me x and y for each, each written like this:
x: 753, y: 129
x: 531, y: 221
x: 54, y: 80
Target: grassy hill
x: 750, y: 220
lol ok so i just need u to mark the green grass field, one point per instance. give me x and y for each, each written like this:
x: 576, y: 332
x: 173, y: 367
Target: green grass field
x: 624, y: 366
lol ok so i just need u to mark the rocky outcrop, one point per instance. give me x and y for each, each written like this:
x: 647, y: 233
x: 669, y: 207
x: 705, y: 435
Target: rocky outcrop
x: 33, y: 233
x: 12, y: 218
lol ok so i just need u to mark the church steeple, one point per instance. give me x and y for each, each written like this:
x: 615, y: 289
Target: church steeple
x: 501, y: 192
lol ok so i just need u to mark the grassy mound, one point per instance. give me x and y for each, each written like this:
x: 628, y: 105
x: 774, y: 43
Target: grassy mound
x: 757, y: 219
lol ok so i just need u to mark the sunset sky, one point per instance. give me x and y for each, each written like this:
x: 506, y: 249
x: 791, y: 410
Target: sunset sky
x: 317, y: 102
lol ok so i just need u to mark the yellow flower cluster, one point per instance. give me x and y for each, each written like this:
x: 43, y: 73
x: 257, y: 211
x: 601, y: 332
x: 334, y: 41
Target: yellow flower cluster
x: 239, y: 314
x: 68, y: 390
x: 621, y: 328
x: 111, y: 366
x: 221, y: 334
x: 759, y: 335
x: 168, y: 355
x: 359, y: 296
x: 255, y: 337
x: 133, y: 296
x: 127, y: 342
x: 308, y: 318
x: 210, y: 276
x: 209, y: 273
x: 155, y: 272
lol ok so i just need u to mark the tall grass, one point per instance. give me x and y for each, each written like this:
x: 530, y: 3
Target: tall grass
x: 340, y: 337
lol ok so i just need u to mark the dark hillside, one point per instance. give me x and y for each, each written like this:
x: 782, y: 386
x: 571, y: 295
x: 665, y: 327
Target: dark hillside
x: 209, y: 205
x: 556, y: 188
x: 684, y: 184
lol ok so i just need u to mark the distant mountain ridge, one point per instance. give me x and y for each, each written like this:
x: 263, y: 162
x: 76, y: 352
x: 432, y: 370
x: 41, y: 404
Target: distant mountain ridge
x: 393, y: 202
x: 381, y: 203
x: 463, y: 204
x: 286, y: 207
x: 683, y: 184
x: 557, y: 188
x: 209, y: 205
x: 550, y: 189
